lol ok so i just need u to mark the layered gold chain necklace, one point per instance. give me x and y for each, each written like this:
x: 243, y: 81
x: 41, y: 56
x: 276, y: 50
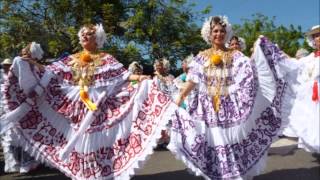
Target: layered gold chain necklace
x: 83, y: 67
x: 216, y: 70
x: 161, y: 77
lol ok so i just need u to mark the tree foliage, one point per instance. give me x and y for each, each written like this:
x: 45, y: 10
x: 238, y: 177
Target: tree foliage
x: 54, y: 23
x: 141, y: 30
x: 137, y: 30
x: 287, y: 38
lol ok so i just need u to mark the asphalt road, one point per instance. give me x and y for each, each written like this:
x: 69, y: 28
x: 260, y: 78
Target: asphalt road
x: 285, y: 162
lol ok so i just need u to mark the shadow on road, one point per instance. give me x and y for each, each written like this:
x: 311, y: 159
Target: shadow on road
x: 283, y: 150
x: 317, y: 157
x: 292, y: 174
x: 41, y: 173
x: 285, y: 174
x: 173, y: 175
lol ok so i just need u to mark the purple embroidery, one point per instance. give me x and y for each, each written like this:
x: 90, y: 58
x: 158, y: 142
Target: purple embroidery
x: 233, y: 160
x: 234, y: 108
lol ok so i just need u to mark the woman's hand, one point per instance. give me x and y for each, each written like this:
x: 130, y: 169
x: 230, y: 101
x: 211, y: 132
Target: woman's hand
x: 138, y: 78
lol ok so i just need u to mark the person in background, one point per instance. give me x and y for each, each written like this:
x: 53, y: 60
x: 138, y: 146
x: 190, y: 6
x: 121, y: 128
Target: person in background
x: 305, y: 114
x: 162, y: 77
x: 136, y: 69
x: 10, y: 153
x: 16, y: 159
x: 164, y: 81
x: 180, y: 81
x: 6, y: 64
x: 236, y: 43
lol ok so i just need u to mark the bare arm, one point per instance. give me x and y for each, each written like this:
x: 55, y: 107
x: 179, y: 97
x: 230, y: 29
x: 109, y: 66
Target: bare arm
x: 139, y: 78
x: 184, y: 93
x: 33, y: 62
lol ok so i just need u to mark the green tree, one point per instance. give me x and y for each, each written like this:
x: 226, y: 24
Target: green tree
x: 164, y: 29
x: 288, y: 38
x: 53, y: 23
x: 141, y: 30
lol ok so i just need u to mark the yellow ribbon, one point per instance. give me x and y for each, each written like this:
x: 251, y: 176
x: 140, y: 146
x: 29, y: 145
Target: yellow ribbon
x: 216, y: 103
x: 84, y: 96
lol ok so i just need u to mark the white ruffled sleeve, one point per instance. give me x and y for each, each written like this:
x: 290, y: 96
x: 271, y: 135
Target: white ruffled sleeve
x: 195, y: 70
x: 27, y: 77
x: 267, y: 82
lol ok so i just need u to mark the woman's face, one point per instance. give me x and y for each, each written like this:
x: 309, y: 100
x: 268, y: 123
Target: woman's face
x: 234, y: 44
x: 160, y: 68
x: 88, y: 39
x: 316, y: 38
x: 6, y: 68
x: 218, y: 35
x: 137, y: 71
x: 25, y: 52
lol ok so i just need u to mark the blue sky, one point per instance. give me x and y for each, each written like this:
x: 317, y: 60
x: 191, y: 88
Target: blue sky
x: 297, y: 12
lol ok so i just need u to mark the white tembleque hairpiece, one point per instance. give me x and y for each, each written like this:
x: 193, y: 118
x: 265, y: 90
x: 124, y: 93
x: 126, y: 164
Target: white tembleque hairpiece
x: 206, y: 28
x: 36, y: 51
x: 101, y: 36
x: 134, y: 65
x: 165, y: 62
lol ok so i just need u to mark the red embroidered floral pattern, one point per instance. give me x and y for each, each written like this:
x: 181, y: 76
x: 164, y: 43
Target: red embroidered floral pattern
x: 107, y: 161
x: 75, y: 111
x: 11, y: 86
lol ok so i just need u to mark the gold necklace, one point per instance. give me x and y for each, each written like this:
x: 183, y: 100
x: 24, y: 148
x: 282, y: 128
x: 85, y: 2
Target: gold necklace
x: 216, y: 68
x: 83, y: 67
x: 161, y: 77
